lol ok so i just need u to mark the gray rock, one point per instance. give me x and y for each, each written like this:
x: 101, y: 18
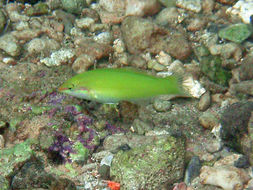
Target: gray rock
x: 244, y: 87
x: 167, y: 15
x: 208, y: 120
x: 161, y: 105
x: 192, y: 170
x: 246, y: 69
x: 234, y: 121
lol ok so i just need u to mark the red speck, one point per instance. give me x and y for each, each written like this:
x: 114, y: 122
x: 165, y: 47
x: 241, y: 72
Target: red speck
x: 113, y: 185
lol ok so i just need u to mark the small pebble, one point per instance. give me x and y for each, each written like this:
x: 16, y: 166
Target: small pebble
x: 107, y: 160
x: 204, y: 101
x: 159, y: 67
x: 161, y: 105
x: 195, y: 25
x: 208, y: 120
x: 214, y: 145
x: 119, y: 46
x: 163, y: 58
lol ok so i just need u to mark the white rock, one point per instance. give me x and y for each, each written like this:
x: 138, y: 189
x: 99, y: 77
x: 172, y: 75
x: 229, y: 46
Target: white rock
x: 119, y: 46
x: 40, y: 45
x: 193, y: 87
x: 107, y: 160
x: 22, y: 25
x: 191, y: 5
x: 163, y: 58
x: 8, y: 60
x: 141, y: 7
x: 58, y: 57
x: 13, y: 14
x: 112, y: 5
x: 226, y: 177
x: 243, y: 8
x: 84, y: 23
x: 103, y: 38
x: 9, y: 44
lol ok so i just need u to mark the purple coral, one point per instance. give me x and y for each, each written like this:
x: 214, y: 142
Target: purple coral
x: 55, y: 98
x: 83, y: 123
x: 113, y: 129
x: 62, y: 145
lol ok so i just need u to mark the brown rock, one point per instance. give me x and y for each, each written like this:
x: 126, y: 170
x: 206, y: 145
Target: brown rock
x: 82, y: 63
x: 178, y: 46
x: 137, y: 33
x: 91, y: 48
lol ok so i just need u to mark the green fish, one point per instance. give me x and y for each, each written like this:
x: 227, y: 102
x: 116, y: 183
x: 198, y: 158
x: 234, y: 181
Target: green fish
x: 120, y: 84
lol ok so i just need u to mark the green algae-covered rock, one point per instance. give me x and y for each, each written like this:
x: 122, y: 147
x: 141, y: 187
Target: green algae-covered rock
x: 168, y: 3
x: 211, y: 66
x: 73, y: 6
x: 236, y: 33
x: 2, y: 21
x: 10, y: 158
x: 150, y: 166
x: 38, y: 9
x: 4, y: 184
x: 81, y: 153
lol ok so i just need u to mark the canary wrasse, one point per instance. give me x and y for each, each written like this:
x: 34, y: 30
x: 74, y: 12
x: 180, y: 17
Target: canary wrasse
x: 114, y: 85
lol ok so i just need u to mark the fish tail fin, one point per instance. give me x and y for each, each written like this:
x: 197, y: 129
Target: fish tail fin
x: 179, y: 84
x: 184, y: 85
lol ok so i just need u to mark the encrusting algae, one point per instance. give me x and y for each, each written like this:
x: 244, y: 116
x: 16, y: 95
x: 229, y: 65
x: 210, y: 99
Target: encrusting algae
x: 114, y: 85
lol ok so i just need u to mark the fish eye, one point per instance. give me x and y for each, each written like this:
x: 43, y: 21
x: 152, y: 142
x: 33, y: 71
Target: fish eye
x: 71, y: 87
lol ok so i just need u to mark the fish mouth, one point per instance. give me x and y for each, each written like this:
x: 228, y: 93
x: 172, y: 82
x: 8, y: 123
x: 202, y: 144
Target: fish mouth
x: 60, y: 89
